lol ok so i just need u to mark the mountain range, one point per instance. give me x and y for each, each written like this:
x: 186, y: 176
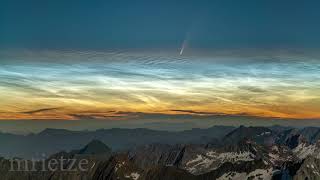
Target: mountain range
x: 218, y: 152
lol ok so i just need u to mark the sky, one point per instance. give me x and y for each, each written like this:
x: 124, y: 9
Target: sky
x: 105, y: 24
x: 122, y: 60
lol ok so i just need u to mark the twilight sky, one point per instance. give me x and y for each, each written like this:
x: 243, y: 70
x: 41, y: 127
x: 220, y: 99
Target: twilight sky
x: 119, y: 60
x: 105, y: 24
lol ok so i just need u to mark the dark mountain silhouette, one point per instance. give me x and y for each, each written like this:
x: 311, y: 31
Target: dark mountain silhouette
x: 95, y: 147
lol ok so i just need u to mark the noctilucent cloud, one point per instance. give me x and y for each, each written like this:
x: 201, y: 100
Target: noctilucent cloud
x: 50, y: 85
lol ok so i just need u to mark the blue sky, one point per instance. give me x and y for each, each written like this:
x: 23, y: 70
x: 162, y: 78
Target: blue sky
x: 105, y: 24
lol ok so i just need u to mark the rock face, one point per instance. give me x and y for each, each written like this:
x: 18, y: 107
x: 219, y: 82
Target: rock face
x: 156, y: 154
x: 294, y: 140
x: 241, y: 154
x: 258, y: 134
x: 309, y: 169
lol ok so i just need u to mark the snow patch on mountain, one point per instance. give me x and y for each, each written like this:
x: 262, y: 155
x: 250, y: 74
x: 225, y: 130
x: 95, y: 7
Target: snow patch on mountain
x: 119, y: 165
x: 212, y: 160
x: 231, y: 156
x: 133, y: 175
x: 264, y: 133
x: 257, y: 174
x: 303, y: 150
x: 200, y: 162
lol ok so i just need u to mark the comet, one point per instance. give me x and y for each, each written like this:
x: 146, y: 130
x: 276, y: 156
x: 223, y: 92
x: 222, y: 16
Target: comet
x: 184, y: 44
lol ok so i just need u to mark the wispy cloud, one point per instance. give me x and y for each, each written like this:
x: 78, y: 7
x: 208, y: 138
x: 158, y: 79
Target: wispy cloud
x: 40, y: 110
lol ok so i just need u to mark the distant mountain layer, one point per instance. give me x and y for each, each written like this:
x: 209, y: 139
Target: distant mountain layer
x: 51, y: 141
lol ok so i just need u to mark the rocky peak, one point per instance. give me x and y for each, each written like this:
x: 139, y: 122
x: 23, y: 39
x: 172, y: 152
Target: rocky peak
x: 95, y: 147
